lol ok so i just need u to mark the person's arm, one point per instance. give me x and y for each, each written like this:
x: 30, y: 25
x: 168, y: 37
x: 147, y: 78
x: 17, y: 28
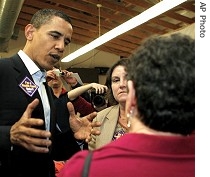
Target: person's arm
x: 73, y: 94
x: 82, y: 106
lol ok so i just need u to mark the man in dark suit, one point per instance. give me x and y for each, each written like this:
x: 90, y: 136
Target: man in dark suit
x: 27, y: 113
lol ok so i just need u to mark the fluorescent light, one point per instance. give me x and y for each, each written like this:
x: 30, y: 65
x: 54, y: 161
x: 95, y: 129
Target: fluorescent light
x: 145, y: 16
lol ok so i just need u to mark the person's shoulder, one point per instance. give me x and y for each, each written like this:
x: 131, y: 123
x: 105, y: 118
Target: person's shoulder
x: 112, y: 148
x: 79, y: 156
x: 108, y: 109
x: 74, y: 165
x: 6, y: 62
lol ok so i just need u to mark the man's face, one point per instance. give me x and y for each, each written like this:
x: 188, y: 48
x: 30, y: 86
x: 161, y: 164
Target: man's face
x: 45, y: 46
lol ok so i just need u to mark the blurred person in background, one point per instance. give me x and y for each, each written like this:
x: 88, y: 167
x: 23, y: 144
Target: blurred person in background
x: 66, y: 147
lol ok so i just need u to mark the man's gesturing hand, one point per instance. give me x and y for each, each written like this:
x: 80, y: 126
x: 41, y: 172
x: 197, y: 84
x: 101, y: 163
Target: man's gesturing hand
x: 24, y: 134
x: 81, y: 126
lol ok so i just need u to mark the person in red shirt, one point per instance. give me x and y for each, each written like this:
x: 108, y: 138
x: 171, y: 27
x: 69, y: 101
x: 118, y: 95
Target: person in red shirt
x: 160, y: 108
x: 81, y: 107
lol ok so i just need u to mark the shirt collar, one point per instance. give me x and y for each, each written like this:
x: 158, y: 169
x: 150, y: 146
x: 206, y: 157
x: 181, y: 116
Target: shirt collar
x: 30, y: 65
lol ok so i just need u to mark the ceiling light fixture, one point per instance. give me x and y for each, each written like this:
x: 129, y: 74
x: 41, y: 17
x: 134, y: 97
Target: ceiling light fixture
x: 143, y: 17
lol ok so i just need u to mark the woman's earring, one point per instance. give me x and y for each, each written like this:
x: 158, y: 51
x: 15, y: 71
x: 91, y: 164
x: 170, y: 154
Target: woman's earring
x: 129, y: 116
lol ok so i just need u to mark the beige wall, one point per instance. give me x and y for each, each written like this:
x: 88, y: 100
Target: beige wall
x: 189, y: 30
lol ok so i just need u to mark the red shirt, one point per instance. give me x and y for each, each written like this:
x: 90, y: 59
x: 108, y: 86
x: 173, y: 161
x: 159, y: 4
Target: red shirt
x: 80, y: 105
x: 138, y: 155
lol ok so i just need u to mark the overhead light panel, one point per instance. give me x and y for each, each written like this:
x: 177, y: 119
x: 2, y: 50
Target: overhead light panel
x: 143, y: 17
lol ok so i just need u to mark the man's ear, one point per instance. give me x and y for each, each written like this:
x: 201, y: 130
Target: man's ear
x: 29, y: 29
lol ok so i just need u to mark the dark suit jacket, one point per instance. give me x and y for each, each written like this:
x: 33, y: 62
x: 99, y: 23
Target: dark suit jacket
x: 18, y: 161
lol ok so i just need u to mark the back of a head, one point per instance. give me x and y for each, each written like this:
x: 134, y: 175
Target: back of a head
x: 163, y: 72
x: 43, y: 16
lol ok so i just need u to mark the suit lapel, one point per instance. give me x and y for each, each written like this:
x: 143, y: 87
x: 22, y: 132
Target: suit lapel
x: 22, y: 73
x: 52, y: 113
x: 109, y: 125
x: 52, y: 108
